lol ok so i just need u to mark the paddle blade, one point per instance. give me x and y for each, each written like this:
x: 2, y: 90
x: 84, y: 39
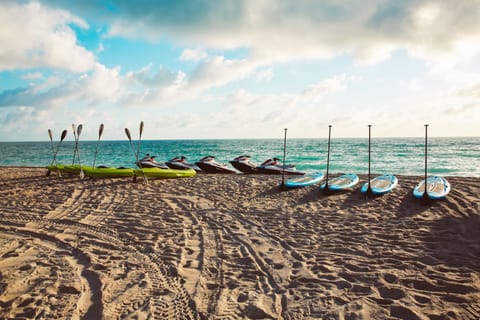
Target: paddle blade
x: 50, y: 134
x: 100, y: 131
x: 64, y: 134
x: 79, y: 129
x: 141, y: 127
x: 127, y: 132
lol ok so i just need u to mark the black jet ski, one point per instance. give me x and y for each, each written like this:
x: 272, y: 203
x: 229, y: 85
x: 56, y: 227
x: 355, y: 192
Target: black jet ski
x: 209, y: 165
x: 273, y: 166
x: 245, y: 165
x: 149, y: 162
x: 179, y: 163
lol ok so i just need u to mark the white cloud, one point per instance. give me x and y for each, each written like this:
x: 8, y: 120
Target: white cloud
x: 325, y: 87
x: 264, y: 74
x: 217, y: 71
x: 33, y: 35
x: 282, y: 30
x: 193, y: 54
x: 472, y: 91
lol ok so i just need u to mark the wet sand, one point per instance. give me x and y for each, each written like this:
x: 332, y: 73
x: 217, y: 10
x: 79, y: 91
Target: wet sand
x: 233, y: 246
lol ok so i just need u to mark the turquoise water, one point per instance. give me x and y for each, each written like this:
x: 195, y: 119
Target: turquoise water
x: 405, y: 156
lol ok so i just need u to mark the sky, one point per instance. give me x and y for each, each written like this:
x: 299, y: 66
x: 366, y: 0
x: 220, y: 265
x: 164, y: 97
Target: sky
x: 208, y: 69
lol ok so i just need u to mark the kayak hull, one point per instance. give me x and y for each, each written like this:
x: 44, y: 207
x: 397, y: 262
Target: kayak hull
x: 68, y: 169
x: 99, y: 173
x: 158, y: 173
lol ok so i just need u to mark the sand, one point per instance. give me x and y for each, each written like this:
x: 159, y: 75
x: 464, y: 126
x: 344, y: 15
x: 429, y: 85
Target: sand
x: 233, y: 247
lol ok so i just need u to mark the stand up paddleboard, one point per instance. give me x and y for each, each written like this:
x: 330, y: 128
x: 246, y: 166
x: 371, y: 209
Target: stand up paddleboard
x: 437, y: 188
x: 381, y: 184
x: 431, y: 188
x: 342, y: 182
x: 304, y: 181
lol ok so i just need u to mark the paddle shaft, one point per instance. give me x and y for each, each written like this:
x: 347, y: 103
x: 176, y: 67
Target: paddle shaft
x: 79, y: 131
x: 64, y: 134
x: 425, y: 192
x: 53, y: 146
x: 100, y: 131
x: 139, y: 137
x: 325, y: 190
x: 54, y: 154
x: 284, y: 156
x: 127, y: 132
x: 76, y: 143
x: 369, y: 189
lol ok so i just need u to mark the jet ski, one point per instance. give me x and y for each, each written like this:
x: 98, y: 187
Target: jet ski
x: 209, y: 165
x: 149, y: 162
x: 273, y: 166
x: 245, y: 165
x: 179, y: 163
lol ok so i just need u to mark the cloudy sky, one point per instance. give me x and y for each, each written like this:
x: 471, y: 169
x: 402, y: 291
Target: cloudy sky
x: 239, y: 68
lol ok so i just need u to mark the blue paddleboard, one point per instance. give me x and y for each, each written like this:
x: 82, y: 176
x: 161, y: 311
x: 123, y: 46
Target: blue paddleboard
x: 381, y: 184
x: 342, y: 182
x: 304, y: 181
x: 437, y: 188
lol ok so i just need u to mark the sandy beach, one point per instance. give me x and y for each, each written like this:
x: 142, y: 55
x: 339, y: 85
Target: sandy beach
x: 233, y: 247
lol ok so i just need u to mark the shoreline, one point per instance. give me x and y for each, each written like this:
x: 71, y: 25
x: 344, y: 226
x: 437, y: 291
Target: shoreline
x: 363, y: 176
x: 234, y: 246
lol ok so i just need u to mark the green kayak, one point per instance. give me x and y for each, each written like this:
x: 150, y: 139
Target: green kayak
x: 67, y: 169
x: 54, y: 168
x: 158, y: 173
x: 74, y: 168
x: 109, y: 172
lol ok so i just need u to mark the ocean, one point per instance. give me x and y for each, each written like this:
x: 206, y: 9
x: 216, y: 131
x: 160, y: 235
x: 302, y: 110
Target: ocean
x: 401, y: 156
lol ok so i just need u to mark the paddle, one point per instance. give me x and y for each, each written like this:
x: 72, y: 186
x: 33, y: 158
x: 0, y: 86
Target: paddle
x: 79, y: 131
x: 75, y: 140
x: 139, y: 138
x: 282, y: 186
x: 425, y: 198
x: 64, y: 134
x: 369, y: 192
x: 53, y: 151
x: 326, y: 190
x: 127, y: 132
x: 100, y: 132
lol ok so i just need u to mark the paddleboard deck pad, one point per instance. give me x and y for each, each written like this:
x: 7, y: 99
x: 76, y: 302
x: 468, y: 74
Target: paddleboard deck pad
x: 304, y: 181
x: 437, y: 188
x: 342, y: 182
x: 381, y: 184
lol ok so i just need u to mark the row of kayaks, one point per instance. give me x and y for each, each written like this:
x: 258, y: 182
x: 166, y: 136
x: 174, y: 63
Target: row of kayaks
x: 108, y: 172
x: 436, y: 187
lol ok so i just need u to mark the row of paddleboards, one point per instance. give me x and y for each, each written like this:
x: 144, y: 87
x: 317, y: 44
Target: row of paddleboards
x: 150, y: 173
x: 437, y: 187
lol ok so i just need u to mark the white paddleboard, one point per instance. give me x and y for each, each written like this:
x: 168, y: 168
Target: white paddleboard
x: 437, y: 188
x: 342, y: 182
x: 304, y: 181
x: 381, y: 184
